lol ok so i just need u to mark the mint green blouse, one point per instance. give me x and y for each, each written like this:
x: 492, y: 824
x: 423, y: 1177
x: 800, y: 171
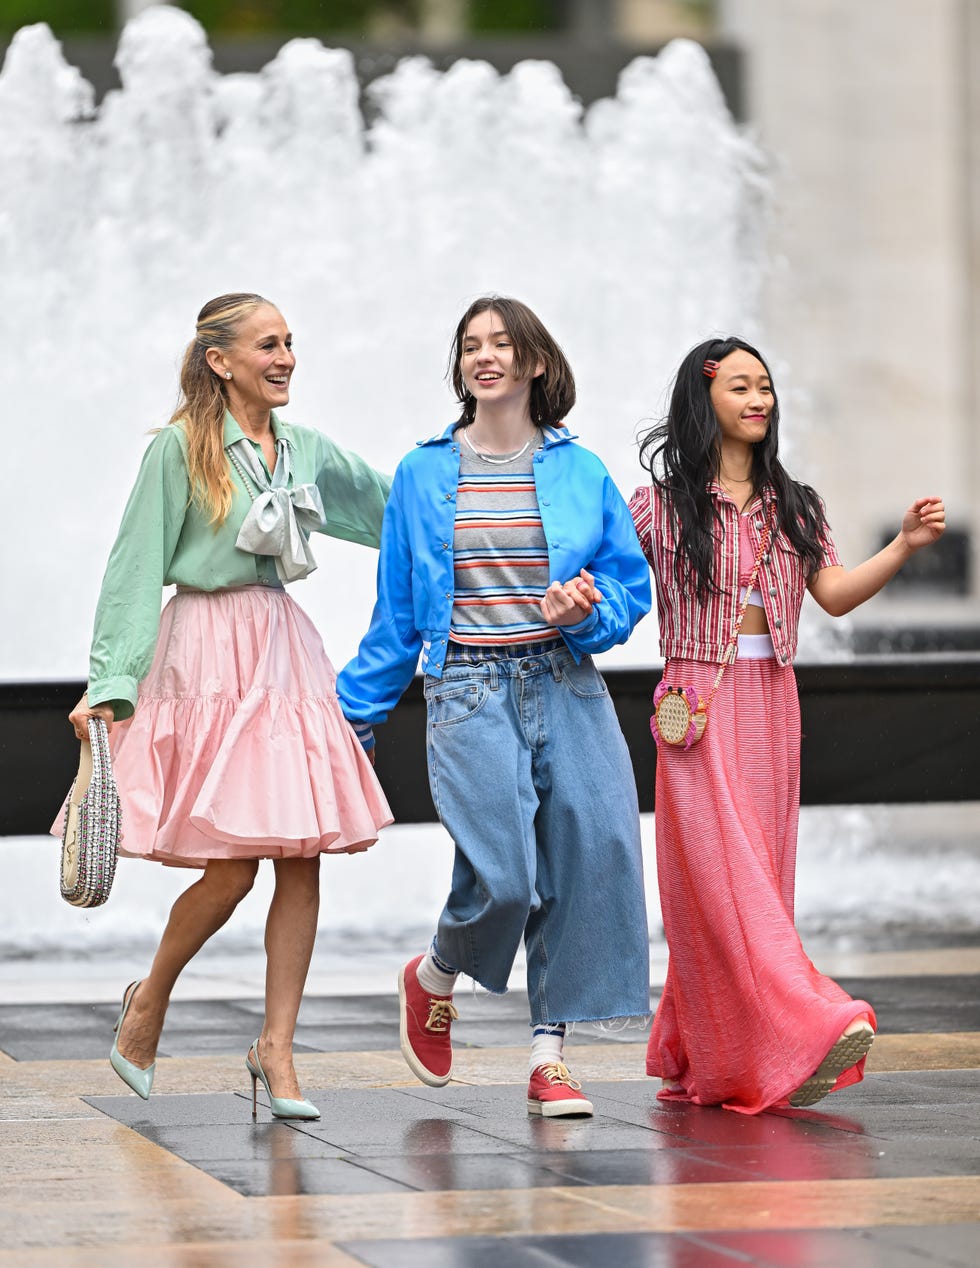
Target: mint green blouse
x: 165, y: 539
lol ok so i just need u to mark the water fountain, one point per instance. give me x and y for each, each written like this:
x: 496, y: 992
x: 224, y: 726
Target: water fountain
x: 633, y: 228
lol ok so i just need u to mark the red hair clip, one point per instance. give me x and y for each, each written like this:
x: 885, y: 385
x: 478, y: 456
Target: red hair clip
x: 710, y: 369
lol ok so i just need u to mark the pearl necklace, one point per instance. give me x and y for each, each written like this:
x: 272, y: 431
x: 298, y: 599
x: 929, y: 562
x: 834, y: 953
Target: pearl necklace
x: 497, y: 462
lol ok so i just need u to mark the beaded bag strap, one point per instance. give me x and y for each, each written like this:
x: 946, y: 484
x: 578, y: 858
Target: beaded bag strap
x: 728, y: 655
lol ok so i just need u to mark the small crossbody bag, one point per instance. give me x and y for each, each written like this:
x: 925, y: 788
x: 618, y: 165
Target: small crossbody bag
x: 680, y: 715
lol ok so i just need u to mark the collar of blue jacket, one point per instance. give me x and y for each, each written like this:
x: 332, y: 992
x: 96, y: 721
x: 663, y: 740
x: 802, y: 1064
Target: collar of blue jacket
x: 586, y: 524
x: 552, y: 436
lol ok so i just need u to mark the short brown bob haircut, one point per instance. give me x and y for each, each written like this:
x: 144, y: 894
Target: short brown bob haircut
x: 552, y: 392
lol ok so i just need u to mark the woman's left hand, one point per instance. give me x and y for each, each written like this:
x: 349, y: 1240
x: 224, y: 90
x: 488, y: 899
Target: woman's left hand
x: 924, y: 522
x: 583, y: 589
x: 559, y: 607
x: 572, y: 602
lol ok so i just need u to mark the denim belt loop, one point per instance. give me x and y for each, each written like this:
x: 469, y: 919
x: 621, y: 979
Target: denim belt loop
x: 494, y: 674
x: 557, y: 668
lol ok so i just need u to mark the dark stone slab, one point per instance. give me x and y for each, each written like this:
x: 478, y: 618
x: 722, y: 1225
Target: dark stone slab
x: 461, y: 1137
x: 624, y: 1250
x: 245, y: 1141
x: 281, y: 1177
x: 920, y: 1005
x: 681, y: 1165
x: 201, y: 1110
x: 946, y: 1245
x: 436, y: 1136
x: 433, y: 1172
x: 818, y: 1248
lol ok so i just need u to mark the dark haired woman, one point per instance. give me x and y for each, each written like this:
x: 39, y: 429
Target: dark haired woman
x: 745, y: 1020
x: 237, y: 749
x: 507, y: 557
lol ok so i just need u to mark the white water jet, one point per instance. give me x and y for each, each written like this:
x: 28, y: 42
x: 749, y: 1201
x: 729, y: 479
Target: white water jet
x: 633, y: 228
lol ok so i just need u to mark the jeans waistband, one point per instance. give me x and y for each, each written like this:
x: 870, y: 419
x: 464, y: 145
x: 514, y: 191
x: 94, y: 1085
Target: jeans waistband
x: 476, y: 654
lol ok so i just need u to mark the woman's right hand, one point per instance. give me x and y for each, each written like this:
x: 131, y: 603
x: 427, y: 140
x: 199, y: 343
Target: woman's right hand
x: 81, y: 713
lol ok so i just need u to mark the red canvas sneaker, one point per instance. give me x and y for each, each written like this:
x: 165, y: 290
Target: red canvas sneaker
x: 424, y: 1028
x: 553, y: 1093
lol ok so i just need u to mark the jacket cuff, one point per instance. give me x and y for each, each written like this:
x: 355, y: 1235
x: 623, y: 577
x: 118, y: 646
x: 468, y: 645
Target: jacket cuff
x: 585, y: 626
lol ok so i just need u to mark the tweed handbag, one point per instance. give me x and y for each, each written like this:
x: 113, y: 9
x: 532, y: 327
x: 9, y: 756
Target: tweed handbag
x: 91, y: 833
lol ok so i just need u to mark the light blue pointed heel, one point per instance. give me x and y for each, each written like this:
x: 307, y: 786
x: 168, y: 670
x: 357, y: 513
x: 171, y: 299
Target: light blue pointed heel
x: 281, y: 1106
x: 141, y: 1081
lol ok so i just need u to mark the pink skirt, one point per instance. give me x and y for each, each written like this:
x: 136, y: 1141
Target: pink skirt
x: 238, y: 747
x: 745, y: 1017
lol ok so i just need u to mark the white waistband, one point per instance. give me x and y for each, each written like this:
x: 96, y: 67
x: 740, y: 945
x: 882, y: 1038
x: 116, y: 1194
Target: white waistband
x: 755, y: 647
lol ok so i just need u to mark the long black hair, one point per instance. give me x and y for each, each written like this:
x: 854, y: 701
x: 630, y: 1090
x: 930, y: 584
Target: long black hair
x: 682, y: 455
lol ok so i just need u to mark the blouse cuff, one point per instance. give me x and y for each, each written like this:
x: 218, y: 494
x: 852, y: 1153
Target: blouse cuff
x: 365, y: 735
x: 121, y: 692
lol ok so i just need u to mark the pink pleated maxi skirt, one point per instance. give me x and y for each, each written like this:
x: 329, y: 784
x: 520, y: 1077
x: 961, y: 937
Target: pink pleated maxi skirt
x: 745, y: 1017
x: 238, y: 747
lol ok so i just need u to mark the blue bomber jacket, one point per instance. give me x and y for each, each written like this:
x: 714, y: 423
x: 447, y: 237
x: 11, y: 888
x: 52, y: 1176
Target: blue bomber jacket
x: 586, y: 524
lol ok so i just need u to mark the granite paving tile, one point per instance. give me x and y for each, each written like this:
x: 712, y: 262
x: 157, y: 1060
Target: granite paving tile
x: 945, y: 1245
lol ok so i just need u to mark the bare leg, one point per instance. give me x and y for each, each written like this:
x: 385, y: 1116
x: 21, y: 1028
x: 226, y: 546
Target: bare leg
x: 290, y: 931
x: 198, y: 913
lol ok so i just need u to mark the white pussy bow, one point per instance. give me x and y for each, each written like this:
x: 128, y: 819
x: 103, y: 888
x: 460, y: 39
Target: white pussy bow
x: 280, y: 519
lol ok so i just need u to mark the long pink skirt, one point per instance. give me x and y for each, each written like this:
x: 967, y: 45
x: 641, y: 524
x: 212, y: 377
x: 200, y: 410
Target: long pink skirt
x: 745, y: 1017
x: 238, y: 747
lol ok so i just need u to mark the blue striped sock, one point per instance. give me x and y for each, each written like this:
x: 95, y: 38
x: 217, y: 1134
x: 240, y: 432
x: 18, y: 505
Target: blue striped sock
x: 547, y: 1044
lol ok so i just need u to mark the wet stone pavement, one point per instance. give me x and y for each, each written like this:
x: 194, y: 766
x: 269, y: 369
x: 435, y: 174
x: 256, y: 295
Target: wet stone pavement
x: 396, y: 1174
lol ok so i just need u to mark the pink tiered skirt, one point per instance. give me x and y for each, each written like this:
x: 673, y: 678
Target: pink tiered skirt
x: 745, y: 1017
x: 238, y: 747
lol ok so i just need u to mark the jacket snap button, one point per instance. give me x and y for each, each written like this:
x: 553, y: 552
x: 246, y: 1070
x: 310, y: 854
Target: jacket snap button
x: 778, y: 623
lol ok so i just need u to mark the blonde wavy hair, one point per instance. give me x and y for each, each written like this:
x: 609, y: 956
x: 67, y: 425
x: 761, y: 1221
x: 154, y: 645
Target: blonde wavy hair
x: 204, y: 399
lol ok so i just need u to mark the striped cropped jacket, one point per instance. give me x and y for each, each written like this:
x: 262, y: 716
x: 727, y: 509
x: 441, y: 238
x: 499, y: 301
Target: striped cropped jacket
x: 691, y: 630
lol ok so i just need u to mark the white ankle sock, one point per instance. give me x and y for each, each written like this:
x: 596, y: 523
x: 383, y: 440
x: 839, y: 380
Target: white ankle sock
x: 434, y: 980
x: 547, y: 1046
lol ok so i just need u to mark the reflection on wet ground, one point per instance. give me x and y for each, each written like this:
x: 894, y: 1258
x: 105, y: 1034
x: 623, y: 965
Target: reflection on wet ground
x: 395, y: 1174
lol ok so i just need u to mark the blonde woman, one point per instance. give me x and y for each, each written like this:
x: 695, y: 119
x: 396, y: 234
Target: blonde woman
x: 229, y: 745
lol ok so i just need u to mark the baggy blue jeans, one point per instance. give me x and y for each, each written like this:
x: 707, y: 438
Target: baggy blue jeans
x: 531, y: 777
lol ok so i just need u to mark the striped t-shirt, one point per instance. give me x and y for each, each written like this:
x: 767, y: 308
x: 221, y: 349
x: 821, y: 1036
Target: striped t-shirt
x: 500, y: 556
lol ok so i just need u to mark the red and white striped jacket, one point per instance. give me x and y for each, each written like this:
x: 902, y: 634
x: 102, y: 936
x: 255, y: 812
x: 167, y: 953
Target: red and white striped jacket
x: 691, y: 630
